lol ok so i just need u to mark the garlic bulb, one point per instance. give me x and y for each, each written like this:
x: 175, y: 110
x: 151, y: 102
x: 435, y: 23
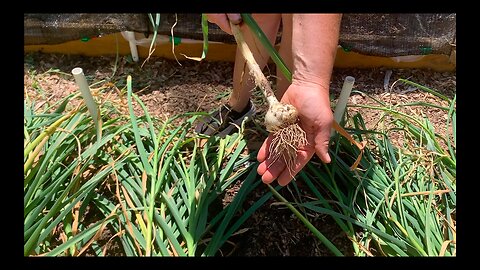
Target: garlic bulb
x: 279, y: 115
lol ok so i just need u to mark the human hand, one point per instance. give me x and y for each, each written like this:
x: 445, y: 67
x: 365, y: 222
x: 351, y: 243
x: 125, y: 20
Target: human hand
x: 316, y: 118
x: 222, y: 20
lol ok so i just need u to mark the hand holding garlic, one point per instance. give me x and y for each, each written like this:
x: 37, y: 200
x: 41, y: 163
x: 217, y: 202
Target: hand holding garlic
x: 299, y: 117
x: 315, y: 118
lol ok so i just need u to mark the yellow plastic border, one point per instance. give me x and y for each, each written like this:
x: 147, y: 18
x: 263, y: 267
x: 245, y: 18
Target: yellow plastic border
x: 106, y: 45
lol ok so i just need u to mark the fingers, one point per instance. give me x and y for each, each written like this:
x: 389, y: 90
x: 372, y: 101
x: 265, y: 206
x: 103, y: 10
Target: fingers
x: 271, y: 169
x: 268, y: 168
x: 302, y: 159
x: 235, y: 18
x: 263, y: 152
x: 222, y: 20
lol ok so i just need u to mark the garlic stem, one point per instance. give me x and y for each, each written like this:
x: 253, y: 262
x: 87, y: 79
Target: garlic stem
x: 260, y: 79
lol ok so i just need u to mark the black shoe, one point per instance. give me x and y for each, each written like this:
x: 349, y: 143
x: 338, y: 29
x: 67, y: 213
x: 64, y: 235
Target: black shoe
x: 223, y: 121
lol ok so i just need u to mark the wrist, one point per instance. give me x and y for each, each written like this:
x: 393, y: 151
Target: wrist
x: 322, y: 83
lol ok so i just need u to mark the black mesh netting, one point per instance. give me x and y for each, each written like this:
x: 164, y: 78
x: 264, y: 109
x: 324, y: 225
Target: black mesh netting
x: 370, y: 34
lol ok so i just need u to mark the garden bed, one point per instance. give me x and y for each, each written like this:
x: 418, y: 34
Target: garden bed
x: 168, y: 88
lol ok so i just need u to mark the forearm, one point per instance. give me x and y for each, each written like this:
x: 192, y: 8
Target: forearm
x: 314, y: 45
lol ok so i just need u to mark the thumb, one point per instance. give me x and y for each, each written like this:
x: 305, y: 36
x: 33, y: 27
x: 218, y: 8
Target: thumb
x: 321, y: 146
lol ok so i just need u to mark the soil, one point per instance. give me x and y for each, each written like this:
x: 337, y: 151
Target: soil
x: 168, y: 88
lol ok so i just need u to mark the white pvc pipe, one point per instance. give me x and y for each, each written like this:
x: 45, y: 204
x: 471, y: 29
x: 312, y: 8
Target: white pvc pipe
x: 82, y: 83
x: 130, y: 36
x: 343, y: 99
